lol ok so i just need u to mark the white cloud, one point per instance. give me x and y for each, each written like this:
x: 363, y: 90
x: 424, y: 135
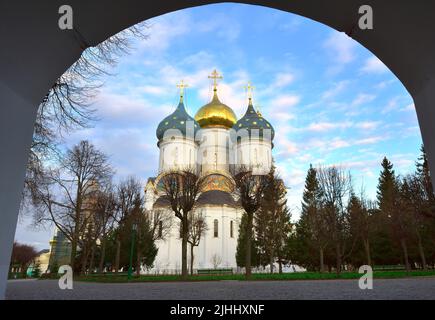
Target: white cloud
x: 363, y: 98
x: 341, y: 50
x: 409, y: 107
x: 285, y: 101
x: 155, y: 90
x: 335, y: 89
x: 391, y: 105
x: 368, y: 125
x: 165, y: 29
x: 374, y: 66
x: 327, y: 126
x: 283, y: 79
x: 341, y: 47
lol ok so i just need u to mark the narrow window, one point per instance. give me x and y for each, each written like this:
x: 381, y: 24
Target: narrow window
x: 216, y: 225
x: 161, y: 229
x: 231, y: 229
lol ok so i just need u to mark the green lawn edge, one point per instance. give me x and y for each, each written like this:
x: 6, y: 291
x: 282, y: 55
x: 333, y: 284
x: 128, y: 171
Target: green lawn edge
x: 255, y: 277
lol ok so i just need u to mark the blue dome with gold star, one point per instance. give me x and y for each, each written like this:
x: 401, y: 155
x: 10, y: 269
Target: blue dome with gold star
x: 254, y: 120
x: 179, y: 120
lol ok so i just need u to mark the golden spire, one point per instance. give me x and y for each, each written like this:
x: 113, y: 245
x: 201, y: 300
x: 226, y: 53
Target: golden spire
x: 182, y: 86
x: 249, y: 88
x: 215, y: 75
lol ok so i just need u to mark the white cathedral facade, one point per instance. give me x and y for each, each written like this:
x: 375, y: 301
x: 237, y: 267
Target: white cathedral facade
x: 213, y: 142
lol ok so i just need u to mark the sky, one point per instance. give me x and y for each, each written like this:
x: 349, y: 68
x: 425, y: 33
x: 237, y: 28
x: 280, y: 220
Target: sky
x: 330, y: 100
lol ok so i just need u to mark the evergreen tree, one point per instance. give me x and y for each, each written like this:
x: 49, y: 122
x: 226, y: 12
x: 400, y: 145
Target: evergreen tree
x: 359, y: 230
x: 272, y: 222
x: 423, y: 173
x: 312, y: 228
x: 241, y: 245
x: 384, y: 249
x: 36, y: 271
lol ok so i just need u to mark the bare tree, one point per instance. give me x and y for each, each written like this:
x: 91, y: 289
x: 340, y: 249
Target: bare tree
x: 216, y: 260
x: 182, y: 189
x: 196, y: 229
x: 335, y: 185
x: 66, y: 195
x: 128, y: 192
x: 22, y: 255
x: 104, y: 217
x: 67, y: 105
x: 250, y: 190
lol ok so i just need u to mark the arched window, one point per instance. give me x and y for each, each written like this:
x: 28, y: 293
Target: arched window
x: 215, y: 228
x: 231, y: 229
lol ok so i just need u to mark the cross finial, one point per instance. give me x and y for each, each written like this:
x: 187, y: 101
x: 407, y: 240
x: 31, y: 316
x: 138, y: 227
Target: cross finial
x: 215, y: 75
x: 182, y: 86
x: 249, y: 88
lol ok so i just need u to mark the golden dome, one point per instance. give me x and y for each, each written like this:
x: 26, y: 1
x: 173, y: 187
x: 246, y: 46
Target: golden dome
x: 215, y: 114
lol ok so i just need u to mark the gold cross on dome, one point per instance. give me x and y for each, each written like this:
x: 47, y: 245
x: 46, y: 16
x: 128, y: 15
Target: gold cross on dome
x: 249, y: 88
x: 215, y: 75
x: 182, y: 86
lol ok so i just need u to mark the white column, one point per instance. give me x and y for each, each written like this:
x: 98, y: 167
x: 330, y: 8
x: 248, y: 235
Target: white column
x: 17, y: 117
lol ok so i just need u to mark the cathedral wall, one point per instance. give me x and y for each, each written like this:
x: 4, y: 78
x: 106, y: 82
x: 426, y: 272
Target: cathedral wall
x: 177, y: 153
x: 256, y: 154
x: 219, y: 250
x: 214, y: 152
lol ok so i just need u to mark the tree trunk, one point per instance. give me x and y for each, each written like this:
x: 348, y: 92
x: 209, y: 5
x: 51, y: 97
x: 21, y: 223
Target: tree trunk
x: 321, y: 260
x: 405, y: 254
x: 103, y: 255
x: 271, y: 261
x: 421, y: 251
x: 184, y: 273
x: 91, y: 263
x: 280, y: 266
x: 338, y: 258
x: 191, y: 259
x: 84, y: 259
x: 118, y: 254
x: 248, y: 271
x: 73, y: 254
x: 138, y: 258
x: 367, y: 250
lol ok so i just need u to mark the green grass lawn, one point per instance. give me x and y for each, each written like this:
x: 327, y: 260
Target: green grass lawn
x: 258, y: 276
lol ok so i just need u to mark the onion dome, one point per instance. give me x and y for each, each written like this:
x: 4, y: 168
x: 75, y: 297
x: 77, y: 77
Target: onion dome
x: 254, y: 120
x: 177, y: 120
x: 215, y: 113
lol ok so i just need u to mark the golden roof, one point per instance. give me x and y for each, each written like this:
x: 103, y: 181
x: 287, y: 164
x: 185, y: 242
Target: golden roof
x: 215, y: 114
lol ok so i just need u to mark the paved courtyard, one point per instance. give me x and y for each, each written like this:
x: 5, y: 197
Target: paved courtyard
x: 412, y: 288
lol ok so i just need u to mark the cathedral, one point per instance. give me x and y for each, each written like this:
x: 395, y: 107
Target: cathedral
x: 214, y: 142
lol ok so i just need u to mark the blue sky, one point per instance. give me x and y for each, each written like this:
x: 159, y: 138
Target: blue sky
x: 329, y: 99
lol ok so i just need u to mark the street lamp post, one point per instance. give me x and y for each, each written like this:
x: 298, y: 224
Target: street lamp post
x: 133, y: 234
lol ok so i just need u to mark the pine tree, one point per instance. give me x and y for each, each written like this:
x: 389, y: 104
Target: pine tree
x: 359, y: 227
x: 36, y: 271
x: 272, y: 222
x: 312, y: 228
x: 423, y: 173
x: 384, y: 248
x: 241, y: 245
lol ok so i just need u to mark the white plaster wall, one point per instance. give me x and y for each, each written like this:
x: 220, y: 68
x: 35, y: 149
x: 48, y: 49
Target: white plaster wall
x: 255, y: 153
x: 168, y: 258
x: 214, y: 151
x: 177, y: 153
